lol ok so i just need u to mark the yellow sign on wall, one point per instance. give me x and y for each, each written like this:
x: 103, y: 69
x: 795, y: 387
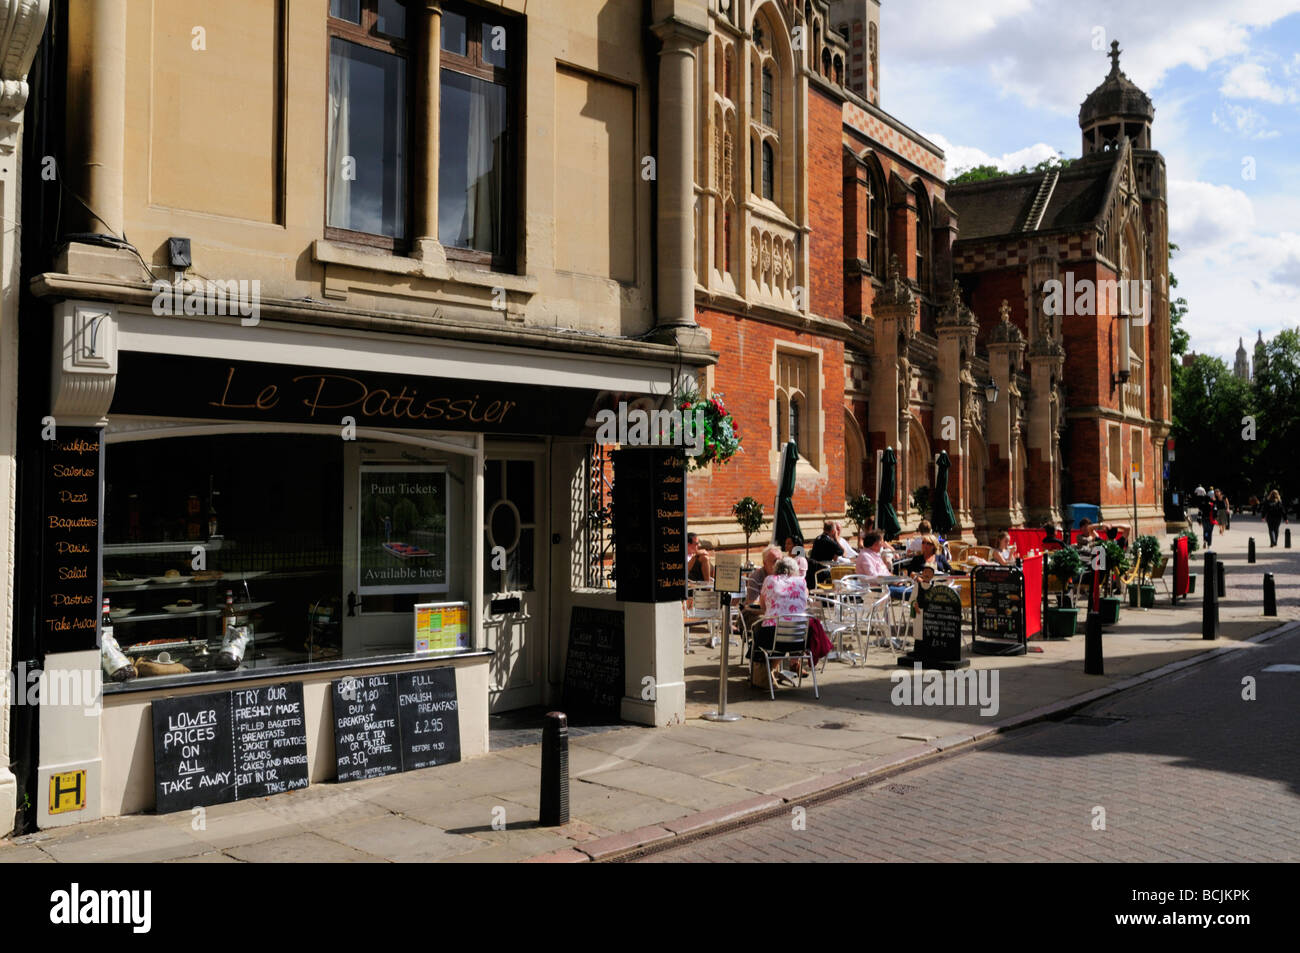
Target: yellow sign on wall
x: 67, y: 792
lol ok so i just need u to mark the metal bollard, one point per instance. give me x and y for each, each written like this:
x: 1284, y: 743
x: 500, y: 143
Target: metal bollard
x: 1250, y: 550
x: 1093, y: 663
x: 1210, y: 602
x: 1270, y: 595
x: 554, y: 806
x: 1288, y: 537
x: 1220, y: 582
x: 720, y: 714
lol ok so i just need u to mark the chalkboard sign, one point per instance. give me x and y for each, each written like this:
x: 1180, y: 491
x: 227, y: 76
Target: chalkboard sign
x: 229, y: 746
x: 367, y: 742
x: 429, y: 717
x: 940, y: 642
x: 384, y: 724
x: 594, y: 667
x: 650, y: 524
x: 998, y: 594
x: 72, y: 530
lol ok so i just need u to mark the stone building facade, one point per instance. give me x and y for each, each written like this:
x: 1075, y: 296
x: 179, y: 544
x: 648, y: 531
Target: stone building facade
x: 858, y: 301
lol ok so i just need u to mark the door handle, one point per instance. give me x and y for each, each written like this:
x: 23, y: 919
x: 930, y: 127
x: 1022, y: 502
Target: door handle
x: 353, y: 603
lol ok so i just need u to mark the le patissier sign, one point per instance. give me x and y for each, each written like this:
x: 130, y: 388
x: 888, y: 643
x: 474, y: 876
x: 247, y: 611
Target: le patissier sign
x: 210, y: 388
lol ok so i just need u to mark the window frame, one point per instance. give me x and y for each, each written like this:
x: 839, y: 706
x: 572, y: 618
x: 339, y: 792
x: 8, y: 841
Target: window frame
x: 367, y: 34
x: 510, y: 77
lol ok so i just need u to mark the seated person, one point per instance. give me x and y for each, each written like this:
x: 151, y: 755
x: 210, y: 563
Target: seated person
x: 923, y: 530
x: 930, y: 555
x: 848, y: 552
x: 1004, y: 551
x: 784, y: 596
x: 699, y: 565
x: 1050, y: 539
x: 754, y: 586
x: 874, y: 559
x: 793, y: 543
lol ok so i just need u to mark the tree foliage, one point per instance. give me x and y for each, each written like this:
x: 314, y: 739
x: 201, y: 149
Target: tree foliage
x: 1210, y: 405
x: 983, y: 173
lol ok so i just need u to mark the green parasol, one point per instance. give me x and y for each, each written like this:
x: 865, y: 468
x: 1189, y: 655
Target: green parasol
x: 886, y: 518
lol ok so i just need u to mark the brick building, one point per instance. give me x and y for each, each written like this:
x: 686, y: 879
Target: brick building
x: 859, y: 302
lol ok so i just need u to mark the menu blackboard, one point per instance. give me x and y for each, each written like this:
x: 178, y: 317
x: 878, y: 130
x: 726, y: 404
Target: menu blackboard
x: 367, y: 743
x: 998, y: 593
x: 940, y: 643
x: 403, y: 721
x: 650, y: 524
x: 228, y: 746
x: 594, y: 669
x: 71, y: 526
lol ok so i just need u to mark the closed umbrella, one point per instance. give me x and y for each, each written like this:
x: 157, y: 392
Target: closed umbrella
x: 785, y: 523
x: 886, y: 518
x: 943, y: 518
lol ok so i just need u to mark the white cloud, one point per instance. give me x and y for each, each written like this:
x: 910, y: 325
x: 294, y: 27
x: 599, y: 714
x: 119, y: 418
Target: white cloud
x: 961, y: 158
x: 1250, y: 81
x: 1243, y: 121
x: 1206, y: 216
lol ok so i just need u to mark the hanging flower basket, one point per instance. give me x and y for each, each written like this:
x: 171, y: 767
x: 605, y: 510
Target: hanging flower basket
x: 721, y: 437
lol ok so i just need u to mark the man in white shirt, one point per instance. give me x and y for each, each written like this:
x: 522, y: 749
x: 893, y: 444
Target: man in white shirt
x: 850, y: 553
x: 922, y: 530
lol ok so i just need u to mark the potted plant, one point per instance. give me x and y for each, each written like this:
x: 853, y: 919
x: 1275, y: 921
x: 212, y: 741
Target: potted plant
x: 749, y: 515
x: 1117, y: 564
x: 921, y: 500
x: 720, y: 440
x: 1148, y: 556
x: 1065, y: 565
x: 861, y: 510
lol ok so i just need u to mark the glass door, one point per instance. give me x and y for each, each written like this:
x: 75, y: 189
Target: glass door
x: 514, y: 577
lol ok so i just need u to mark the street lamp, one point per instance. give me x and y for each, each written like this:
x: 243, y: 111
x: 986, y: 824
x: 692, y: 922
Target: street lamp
x: 991, y: 391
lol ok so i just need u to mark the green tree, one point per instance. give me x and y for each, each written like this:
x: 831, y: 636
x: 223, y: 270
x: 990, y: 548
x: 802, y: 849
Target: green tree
x: 985, y: 173
x: 1277, y: 396
x: 1179, y: 339
x: 749, y: 516
x: 1210, y: 409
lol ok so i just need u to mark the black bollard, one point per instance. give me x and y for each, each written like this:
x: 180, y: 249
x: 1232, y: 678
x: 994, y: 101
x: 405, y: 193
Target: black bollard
x: 554, y: 806
x: 1092, y: 658
x: 1250, y: 550
x: 1288, y: 537
x: 1270, y: 595
x: 1220, y: 582
x: 1210, y: 602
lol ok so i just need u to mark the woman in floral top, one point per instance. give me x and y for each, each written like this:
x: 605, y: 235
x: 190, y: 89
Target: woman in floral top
x: 784, y: 596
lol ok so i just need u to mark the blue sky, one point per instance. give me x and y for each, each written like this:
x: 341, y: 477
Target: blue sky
x: 1001, y: 81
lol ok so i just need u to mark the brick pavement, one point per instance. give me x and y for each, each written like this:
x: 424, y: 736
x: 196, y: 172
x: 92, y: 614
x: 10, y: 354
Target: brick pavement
x: 1193, y: 773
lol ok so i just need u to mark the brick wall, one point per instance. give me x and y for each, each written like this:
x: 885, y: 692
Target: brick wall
x: 825, y: 205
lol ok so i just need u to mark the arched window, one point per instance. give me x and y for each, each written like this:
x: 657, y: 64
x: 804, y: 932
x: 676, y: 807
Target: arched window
x: 876, y: 202
x: 923, y: 239
x: 769, y: 171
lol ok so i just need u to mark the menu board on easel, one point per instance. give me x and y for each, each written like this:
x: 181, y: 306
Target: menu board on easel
x: 72, y: 536
x: 998, y: 594
x: 650, y: 524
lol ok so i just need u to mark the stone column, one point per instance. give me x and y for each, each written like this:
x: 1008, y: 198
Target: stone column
x: 1046, y: 359
x: 895, y: 310
x: 1006, y: 343
x: 427, y: 88
x: 956, y: 328
x: 681, y: 25
x: 21, y: 24
x: 97, y: 107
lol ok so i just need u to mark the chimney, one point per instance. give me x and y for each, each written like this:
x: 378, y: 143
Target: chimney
x: 860, y: 21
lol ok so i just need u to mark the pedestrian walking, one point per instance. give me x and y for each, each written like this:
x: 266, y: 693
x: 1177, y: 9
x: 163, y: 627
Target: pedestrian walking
x: 1221, y: 511
x: 1205, y: 506
x: 1274, y: 514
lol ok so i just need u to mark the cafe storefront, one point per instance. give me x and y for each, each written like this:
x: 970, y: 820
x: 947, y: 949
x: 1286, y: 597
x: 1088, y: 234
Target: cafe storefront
x: 285, y: 509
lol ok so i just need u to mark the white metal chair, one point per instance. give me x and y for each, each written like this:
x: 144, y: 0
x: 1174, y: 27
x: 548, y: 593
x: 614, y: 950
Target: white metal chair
x: 789, y: 642
x: 840, y: 614
x: 707, y: 607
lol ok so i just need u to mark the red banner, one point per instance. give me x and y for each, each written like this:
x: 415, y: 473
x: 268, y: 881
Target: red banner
x: 1182, y: 570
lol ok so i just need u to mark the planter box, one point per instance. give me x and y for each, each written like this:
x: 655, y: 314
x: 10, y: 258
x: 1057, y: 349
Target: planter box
x: 1147, y: 596
x: 1109, y: 610
x: 1191, y: 583
x: 1062, y: 623
x: 1133, y: 595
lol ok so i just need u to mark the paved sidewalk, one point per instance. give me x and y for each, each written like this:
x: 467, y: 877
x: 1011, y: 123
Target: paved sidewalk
x: 638, y: 785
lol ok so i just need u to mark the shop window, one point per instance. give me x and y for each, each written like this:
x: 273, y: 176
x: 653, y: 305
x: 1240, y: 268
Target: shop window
x: 368, y: 128
x: 480, y: 63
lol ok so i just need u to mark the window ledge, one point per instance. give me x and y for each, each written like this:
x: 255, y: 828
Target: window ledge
x: 434, y: 266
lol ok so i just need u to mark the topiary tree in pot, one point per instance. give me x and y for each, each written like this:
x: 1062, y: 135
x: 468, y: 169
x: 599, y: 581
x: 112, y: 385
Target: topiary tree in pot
x: 1065, y: 565
x: 749, y: 516
x: 861, y: 509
